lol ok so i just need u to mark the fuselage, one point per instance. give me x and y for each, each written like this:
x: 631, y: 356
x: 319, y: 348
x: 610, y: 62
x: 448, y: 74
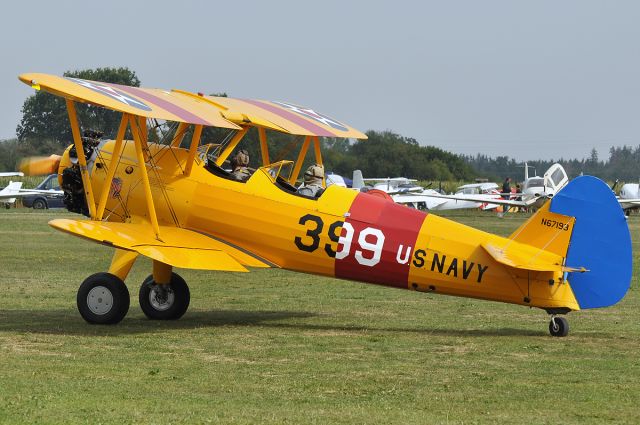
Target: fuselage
x: 343, y: 233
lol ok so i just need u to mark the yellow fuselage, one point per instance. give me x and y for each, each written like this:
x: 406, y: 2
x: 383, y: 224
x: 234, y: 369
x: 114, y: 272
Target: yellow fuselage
x: 381, y: 242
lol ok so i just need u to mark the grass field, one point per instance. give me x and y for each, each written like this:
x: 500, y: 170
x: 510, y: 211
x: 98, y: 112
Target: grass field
x: 278, y: 347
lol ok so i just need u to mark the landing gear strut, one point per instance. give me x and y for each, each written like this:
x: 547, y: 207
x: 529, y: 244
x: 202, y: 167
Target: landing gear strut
x: 558, y: 326
x: 164, y: 302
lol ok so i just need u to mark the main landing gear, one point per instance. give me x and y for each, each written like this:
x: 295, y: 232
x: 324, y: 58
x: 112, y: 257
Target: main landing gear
x: 103, y: 298
x: 558, y: 326
x: 164, y: 302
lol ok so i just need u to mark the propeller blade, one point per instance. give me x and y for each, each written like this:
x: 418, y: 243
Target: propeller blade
x: 40, y: 165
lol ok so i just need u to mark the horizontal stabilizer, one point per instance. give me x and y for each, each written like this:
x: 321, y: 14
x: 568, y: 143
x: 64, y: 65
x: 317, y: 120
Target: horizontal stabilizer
x: 9, y: 193
x: 521, y: 256
x: 178, y: 247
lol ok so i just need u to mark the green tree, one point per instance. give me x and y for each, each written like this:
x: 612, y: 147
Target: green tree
x: 12, y: 151
x: 44, y: 116
x: 387, y: 154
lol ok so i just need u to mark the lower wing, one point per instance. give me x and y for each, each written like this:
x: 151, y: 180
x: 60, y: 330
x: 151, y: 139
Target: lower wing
x: 178, y: 247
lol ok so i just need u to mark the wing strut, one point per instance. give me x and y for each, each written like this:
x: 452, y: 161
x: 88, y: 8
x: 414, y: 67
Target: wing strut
x: 115, y: 159
x: 231, y: 146
x: 264, y: 149
x: 82, y: 160
x: 195, y: 141
x: 140, y: 142
x: 300, y: 160
x: 316, y: 147
x: 179, y: 135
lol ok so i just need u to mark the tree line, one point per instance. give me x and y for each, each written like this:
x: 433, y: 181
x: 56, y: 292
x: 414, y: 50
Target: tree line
x: 622, y: 164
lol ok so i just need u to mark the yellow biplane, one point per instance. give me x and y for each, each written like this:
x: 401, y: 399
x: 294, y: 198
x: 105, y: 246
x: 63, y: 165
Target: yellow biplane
x: 178, y: 206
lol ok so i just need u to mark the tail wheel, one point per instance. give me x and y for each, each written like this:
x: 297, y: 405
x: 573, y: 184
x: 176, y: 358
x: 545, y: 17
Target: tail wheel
x: 164, y: 302
x: 558, y: 326
x: 103, y: 299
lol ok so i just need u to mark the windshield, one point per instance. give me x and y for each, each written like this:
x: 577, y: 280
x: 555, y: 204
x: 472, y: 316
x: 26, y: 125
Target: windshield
x: 535, y: 182
x: 279, y: 170
x: 50, y: 183
x: 557, y: 176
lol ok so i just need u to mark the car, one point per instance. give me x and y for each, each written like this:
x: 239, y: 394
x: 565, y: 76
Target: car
x: 43, y: 201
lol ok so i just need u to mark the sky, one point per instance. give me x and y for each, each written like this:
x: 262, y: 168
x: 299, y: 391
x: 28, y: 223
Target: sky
x: 539, y: 79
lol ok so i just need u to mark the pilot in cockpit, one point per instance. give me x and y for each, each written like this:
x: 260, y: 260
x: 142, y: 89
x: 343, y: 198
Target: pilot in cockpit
x: 240, y: 164
x: 313, y: 178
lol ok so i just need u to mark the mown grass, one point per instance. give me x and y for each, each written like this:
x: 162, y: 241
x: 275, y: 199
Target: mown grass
x: 280, y: 347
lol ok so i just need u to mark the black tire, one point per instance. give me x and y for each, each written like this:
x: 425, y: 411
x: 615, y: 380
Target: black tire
x: 103, y: 299
x: 39, y: 204
x: 559, y: 326
x: 164, y: 302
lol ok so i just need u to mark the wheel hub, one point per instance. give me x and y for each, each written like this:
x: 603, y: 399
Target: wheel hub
x: 161, y: 297
x: 100, y: 300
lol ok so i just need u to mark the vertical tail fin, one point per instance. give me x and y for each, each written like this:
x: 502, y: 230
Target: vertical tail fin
x: 358, y: 181
x: 597, y: 238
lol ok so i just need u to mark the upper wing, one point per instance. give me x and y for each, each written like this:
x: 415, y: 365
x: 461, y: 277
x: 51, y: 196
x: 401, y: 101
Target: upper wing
x: 182, y: 106
x: 179, y: 247
x: 282, y: 116
x: 150, y: 103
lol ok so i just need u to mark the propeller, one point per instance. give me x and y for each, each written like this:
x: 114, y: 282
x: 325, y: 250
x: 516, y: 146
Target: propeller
x: 40, y: 165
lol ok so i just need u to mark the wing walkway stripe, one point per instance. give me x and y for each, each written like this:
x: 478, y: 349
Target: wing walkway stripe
x: 296, y: 119
x: 176, y: 110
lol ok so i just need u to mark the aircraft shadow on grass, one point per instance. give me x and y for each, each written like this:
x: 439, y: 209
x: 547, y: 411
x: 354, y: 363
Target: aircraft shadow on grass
x: 66, y: 322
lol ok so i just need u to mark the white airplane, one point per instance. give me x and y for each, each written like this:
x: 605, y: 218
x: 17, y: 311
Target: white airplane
x: 535, y: 191
x: 8, y: 194
x: 394, y: 185
x: 554, y: 179
x: 389, y: 185
x: 336, y: 179
x: 430, y: 199
x: 14, y: 190
x: 629, y: 197
x: 405, y: 191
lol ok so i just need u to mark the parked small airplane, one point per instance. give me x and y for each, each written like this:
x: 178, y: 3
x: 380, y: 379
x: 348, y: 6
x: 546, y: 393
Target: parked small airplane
x: 395, y: 185
x: 14, y: 190
x: 465, y: 197
x: 401, y: 190
x: 629, y: 196
x: 180, y: 208
x: 9, y: 193
x: 332, y: 178
x: 554, y: 179
x: 535, y: 191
